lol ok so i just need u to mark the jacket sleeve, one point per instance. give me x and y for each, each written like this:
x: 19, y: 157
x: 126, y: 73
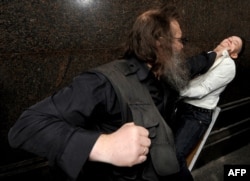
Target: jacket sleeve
x: 55, y: 128
x: 200, y: 64
x: 215, y: 79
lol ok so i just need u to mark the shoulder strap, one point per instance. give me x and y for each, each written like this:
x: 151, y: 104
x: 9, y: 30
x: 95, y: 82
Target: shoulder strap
x: 116, y: 73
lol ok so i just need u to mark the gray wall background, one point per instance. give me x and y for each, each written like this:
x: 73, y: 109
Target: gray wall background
x: 45, y: 43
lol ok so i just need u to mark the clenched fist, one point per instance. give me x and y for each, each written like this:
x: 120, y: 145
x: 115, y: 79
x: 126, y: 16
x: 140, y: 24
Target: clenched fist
x: 127, y: 146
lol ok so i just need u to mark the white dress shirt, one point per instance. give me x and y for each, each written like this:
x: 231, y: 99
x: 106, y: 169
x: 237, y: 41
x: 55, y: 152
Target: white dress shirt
x: 204, y: 90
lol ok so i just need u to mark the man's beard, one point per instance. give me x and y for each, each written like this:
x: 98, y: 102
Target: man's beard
x: 176, y: 73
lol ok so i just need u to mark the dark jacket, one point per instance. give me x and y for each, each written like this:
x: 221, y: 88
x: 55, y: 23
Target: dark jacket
x: 64, y: 127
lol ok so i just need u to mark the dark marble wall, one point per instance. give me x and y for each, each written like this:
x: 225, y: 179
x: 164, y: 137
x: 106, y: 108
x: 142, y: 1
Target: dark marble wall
x: 44, y: 44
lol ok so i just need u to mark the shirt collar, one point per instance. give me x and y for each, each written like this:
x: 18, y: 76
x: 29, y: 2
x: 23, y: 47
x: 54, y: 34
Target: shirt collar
x: 225, y: 54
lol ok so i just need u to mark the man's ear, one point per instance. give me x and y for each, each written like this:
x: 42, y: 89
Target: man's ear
x: 234, y: 55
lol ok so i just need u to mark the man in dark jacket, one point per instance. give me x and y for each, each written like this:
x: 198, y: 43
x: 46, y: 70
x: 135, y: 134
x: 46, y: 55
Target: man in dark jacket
x: 80, y: 129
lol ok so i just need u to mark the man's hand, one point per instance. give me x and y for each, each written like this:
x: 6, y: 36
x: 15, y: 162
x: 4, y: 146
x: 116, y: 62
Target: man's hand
x: 218, y: 50
x: 127, y: 146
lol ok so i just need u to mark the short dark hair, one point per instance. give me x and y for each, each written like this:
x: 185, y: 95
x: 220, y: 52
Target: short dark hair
x: 243, y: 46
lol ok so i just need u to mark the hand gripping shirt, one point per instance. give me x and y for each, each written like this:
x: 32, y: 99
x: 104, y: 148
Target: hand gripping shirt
x: 204, y: 90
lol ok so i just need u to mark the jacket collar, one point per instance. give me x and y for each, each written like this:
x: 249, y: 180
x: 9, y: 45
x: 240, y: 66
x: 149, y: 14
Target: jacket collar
x: 140, y: 67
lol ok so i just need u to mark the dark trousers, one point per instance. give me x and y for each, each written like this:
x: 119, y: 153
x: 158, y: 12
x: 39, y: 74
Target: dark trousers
x: 190, y: 125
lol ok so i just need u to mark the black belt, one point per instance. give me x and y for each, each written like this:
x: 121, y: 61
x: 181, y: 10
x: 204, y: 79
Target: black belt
x: 198, y: 108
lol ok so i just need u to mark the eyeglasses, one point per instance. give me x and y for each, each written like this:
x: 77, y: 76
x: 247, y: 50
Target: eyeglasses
x: 182, y: 40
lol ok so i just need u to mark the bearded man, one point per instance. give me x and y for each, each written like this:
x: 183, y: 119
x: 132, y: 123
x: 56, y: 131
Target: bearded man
x: 113, y: 119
